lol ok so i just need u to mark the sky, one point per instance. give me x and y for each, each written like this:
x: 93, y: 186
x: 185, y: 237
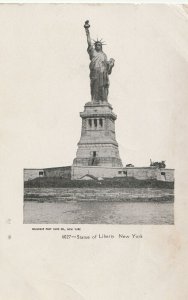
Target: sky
x: 45, y: 79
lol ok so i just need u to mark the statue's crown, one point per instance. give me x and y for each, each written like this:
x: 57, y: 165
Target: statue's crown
x: 101, y: 42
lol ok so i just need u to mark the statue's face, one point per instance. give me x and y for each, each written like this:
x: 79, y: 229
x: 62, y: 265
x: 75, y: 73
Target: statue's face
x: 98, y: 47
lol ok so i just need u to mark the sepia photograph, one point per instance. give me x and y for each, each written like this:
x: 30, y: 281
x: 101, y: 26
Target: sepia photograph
x: 106, y: 99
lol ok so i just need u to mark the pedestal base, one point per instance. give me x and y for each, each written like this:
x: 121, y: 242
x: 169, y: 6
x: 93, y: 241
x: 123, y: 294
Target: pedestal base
x: 98, y: 145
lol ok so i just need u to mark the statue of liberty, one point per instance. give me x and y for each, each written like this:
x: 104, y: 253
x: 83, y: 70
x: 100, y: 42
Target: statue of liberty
x: 100, y: 68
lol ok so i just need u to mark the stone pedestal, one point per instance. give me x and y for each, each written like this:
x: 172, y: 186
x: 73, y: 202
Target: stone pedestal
x: 98, y: 145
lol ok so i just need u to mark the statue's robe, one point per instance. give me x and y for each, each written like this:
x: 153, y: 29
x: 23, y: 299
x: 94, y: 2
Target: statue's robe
x: 99, y: 80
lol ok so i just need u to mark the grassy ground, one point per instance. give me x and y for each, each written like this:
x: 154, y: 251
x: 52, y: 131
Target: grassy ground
x: 126, y: 182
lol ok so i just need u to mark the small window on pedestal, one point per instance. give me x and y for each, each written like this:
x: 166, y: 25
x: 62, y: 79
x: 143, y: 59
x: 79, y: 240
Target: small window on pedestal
x: 90, y: 123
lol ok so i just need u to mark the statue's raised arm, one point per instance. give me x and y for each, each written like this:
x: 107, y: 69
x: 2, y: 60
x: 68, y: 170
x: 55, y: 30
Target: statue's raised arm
x: 100, y: 68
x: 86, y: 26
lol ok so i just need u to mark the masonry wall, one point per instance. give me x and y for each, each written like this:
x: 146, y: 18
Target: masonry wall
x: 63, y: 172
x: 168, y: 176
x: 151, y: 173
x: 78, y: 172
x: 142, y: 173
x: 32, y: 173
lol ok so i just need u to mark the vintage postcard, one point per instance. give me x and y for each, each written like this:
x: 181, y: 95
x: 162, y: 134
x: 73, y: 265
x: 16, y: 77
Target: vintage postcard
x: 94, y: 151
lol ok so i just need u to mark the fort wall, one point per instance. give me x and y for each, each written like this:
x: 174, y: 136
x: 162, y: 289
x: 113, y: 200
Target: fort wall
x: 30, y: 174
x: 62, y: 172
x: 142, y: 173
x: 77, y: 172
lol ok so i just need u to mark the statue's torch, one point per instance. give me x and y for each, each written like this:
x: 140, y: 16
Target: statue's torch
x: 86, y: 25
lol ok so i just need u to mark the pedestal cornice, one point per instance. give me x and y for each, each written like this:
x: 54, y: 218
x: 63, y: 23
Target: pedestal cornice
x: 98, y: 109
x: 97, y: 104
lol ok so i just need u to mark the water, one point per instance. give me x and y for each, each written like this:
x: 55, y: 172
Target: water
x: 98, y: 206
